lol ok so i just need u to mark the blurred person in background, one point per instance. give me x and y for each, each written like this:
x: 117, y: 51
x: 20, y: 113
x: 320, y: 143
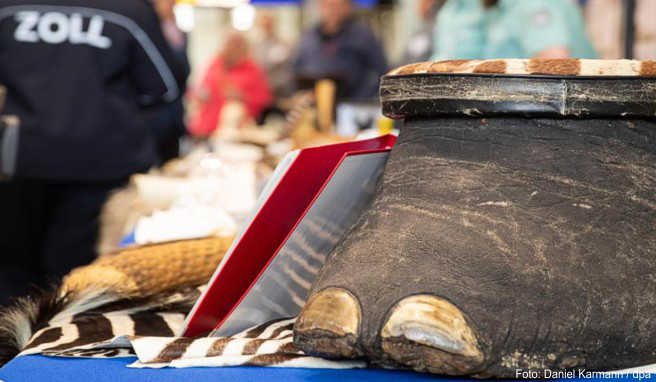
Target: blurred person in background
x: 420, y: 45
x: 78, y: 74
x: 342, y: 49
x: 167, y: 120
x: 471, y: 29
x: 645, y: 30
x: 273, y: 54
x: 605, y: 21
x: 232, y: 76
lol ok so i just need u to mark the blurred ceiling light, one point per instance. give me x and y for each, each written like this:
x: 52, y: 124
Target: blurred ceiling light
x: 243, y: 17
x: 184, y: 16
x: 219, y: 3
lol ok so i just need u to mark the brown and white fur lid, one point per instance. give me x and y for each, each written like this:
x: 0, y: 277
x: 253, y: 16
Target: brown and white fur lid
x: 572, y: 88
x: 535, y: 66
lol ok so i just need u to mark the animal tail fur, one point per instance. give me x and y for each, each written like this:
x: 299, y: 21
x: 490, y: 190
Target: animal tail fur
x: 19, y: 321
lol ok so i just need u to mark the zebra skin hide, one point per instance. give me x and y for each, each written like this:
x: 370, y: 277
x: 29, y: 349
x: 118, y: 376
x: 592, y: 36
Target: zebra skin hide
x: 269, y: 344
x: 88, y: 323
x: 98, y: 325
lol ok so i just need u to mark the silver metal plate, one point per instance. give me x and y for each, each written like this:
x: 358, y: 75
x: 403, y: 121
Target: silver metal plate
x: 281, y: 291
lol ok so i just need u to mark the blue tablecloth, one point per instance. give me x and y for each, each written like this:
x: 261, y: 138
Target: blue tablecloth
x: 38, y: 368
x: 50, y: 369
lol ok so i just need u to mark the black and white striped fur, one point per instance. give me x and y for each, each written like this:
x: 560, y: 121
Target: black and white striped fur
x: 100, y: 325
x: 270, y: 344
x: 52, y: 322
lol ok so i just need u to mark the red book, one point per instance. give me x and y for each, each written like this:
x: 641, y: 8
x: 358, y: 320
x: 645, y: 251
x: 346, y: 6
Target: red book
x: 314, y: 197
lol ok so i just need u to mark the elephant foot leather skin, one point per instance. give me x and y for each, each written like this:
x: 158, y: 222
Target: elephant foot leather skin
x: 496, y: 245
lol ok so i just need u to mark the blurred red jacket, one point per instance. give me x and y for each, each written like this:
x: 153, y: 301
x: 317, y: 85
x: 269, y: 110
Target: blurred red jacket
x: 245, y: 82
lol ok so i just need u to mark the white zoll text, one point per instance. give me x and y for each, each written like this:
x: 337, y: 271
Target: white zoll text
x: 57, y: 28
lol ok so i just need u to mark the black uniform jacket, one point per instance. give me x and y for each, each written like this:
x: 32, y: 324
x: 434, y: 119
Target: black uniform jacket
x: 78, y: 75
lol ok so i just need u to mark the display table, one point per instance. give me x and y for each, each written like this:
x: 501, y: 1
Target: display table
x: 40, y: 368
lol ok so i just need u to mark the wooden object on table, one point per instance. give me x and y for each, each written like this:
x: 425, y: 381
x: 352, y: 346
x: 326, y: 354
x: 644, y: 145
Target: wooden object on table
x: 325, y: 92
